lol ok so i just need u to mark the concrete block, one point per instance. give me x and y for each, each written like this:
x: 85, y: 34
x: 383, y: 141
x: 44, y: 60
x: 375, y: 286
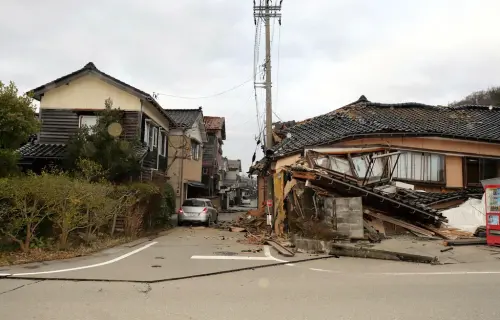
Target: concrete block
x: 311, y: 245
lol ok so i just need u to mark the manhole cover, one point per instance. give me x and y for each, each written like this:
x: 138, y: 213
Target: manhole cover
x: 225, y: 253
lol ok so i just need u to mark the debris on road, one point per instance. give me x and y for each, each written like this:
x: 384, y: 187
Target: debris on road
x: 465, y: 242
x: 237, y: 229
x: 281, y: 249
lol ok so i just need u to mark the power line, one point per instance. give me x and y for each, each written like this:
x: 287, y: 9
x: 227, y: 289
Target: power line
x: 156, y: 94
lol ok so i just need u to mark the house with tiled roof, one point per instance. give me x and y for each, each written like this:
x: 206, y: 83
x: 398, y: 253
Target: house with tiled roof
x: 435, y: 148
x: 213, y: 169
x: 186, y: 141
x: 75, y: 99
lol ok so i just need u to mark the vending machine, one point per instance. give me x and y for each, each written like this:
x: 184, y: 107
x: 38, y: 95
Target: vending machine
x: 492, y: 207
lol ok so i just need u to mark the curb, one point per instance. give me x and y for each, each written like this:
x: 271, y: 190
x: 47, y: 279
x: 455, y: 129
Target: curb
x: 345, y: 250
x: 350, y: 251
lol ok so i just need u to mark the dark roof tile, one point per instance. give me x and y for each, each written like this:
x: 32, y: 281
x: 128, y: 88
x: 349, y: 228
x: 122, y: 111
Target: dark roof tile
x: 364, y: 117
x: 184, y: 117
x: 43, y: 150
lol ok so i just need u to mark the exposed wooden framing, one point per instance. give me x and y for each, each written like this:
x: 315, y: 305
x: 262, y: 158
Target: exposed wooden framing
x: 398, y: 222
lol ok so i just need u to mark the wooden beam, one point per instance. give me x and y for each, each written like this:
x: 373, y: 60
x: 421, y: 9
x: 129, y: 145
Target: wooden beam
x: 398, y: 222
x: 304, y: 175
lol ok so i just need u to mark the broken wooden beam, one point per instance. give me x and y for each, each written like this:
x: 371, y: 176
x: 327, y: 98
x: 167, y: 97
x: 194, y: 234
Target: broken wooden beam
x: 282, y: 250
x: 400, y: 223
x: 465, y: 242
x: 304, y: 175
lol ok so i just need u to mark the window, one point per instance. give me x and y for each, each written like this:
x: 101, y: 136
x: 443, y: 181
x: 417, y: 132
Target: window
x: 195, y: 150
x: 362, y: 164
x: 155, y: 137
x: 205, y: 170
x: 480, y: 169
x: 147, y: 129
x: 162, y: 143
x: 193, y: 203
x: 88, y: 121
x: 151, y: 135
x: 419, y: 166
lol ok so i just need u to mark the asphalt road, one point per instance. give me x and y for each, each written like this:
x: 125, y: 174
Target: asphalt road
x: 148, y: 285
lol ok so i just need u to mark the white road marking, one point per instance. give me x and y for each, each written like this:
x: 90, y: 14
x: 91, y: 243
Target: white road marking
x: 267, y: 253
x: 88, y: 266
x: 433, y: 273
x: 230, y: 258
x: 323, y: 270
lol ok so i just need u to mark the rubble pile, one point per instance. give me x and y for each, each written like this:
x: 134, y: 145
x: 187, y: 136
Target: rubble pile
x: 255, y: 228
x: 323, y: 200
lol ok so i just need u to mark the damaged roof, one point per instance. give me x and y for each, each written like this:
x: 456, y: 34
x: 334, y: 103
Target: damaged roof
x: 364, y: 118
x: 184, y: 117
x: 216, y: 123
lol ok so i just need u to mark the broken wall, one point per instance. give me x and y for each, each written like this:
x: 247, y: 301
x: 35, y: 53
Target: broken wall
x: 349, y: 217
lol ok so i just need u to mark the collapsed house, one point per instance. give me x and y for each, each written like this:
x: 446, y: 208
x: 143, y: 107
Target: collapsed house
x: 368, y: 169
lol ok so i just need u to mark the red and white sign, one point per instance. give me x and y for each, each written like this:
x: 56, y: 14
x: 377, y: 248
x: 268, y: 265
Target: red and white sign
x: 269, y: 203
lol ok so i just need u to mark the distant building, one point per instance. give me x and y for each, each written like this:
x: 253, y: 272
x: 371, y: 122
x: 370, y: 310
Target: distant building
x: 213, y: 166
x: 185, y: 152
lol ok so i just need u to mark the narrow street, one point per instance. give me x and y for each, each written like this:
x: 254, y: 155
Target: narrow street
x: 205, y: 273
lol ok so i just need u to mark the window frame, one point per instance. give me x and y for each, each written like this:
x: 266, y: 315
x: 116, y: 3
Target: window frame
x: 83, y: 116
x: 195, y: 150
x: 419, y: 163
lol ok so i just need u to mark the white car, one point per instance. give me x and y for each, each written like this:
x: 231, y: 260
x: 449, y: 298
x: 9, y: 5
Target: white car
x: 245, y: 201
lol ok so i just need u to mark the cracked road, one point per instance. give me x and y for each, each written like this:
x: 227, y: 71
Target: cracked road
x: 157, y: 283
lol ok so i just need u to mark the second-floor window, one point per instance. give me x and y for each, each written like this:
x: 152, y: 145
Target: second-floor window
x: 151, y: 135
x: 88, y: 121
x: 162, y: 143
x: 195, y: 150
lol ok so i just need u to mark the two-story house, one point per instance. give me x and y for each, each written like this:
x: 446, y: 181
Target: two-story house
x: 232, y: 180
x: 185, y: 152
x: 74, y: 100
x: 212, y: 153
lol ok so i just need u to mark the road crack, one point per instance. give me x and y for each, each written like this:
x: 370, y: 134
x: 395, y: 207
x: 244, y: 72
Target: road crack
x: 24, y: 285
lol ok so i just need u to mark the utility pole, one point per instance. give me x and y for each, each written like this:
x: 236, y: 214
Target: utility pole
x: 265, y: 10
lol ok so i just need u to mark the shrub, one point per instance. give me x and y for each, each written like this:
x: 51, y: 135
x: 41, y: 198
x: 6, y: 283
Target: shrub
x: 23, y: 207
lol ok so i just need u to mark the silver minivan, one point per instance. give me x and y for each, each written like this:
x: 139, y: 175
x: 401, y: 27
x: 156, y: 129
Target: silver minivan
x: 197, y: 210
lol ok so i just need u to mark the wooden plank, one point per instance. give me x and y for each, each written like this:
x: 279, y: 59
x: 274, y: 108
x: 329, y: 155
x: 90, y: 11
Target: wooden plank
x: 282, y: 250
x: 400, y: 223
x: 304, y: 175
x: 437, y: 232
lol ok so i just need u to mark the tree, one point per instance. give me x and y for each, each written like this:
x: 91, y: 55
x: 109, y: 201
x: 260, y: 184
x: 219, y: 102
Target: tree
x: 488, y: 97
x: 17, y: 123
x: 105, y: 145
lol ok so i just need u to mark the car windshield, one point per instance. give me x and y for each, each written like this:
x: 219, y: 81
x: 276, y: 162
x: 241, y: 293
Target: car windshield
x: 194, y: 203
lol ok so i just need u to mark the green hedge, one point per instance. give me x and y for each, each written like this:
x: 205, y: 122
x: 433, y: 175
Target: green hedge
x: 65, y: 205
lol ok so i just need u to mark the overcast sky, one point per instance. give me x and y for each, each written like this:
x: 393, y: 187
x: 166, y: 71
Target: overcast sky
x: 330, y: 52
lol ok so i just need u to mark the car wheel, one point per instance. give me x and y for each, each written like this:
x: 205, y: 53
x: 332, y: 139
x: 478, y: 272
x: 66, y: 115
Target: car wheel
x: 216, y: 218
x: 179, y: 223
x: 207, y: 224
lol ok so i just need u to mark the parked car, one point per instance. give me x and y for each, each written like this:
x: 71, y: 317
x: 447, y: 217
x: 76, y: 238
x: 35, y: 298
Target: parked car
x: 197, y: 210
x: 245, y: 201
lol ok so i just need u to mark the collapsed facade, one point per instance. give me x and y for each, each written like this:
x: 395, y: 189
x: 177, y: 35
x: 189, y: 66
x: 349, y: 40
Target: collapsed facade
x: 370, y: 168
